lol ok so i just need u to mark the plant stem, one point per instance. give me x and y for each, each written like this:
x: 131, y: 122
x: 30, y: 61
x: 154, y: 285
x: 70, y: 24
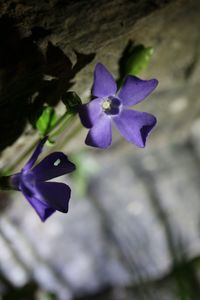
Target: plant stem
x: 20, y: 159
x: 62, y: 121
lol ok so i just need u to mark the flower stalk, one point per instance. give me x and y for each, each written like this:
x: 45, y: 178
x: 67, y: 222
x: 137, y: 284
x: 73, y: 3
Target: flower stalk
x: 54, y: 131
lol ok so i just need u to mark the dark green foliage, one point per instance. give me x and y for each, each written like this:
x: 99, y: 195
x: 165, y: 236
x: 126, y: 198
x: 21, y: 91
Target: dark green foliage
x: 72, y: 101
x: 30, y: 78
x: 134, y: 59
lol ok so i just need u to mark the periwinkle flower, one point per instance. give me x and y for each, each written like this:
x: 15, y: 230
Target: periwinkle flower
x: 45, y: 196
x: 109, y: 107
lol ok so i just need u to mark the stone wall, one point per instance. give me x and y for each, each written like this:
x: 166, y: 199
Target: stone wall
x: 33, y: 33
x: 135, y: 235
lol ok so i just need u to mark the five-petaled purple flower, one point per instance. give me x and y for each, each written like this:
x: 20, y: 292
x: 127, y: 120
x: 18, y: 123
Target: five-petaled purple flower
x: 45, y: 197
x: 98, y: 114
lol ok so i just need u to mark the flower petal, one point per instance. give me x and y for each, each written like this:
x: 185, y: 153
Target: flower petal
x: 135, y: 126
x: 54, y: 165
x: 90, y: 112
x: 43, y: 210
x: 134, y: 90
x: 54, y: 194
x: 100, y: 135
x: 104, y: 83
x: 35, y: 155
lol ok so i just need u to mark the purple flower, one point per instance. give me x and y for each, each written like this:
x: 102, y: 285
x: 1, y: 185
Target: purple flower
x: 45, y: 197
x: 98, y: 114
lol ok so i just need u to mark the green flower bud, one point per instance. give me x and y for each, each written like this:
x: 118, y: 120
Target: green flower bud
x: 72, y: 101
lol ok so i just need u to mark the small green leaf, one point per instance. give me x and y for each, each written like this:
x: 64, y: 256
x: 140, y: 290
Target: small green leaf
x: 72, y: 101
x: 134, y: 60
x: 47, y: 120
x: 138, y: 59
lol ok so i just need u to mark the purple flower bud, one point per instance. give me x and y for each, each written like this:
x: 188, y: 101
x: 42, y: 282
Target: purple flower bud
x: 44, y: 196
x: 109, y: 107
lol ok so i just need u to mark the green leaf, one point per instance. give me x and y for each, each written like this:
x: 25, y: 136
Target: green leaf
x: 138, y: 59
x: 134, y: 59
x: 72, y: 101
x: 47, y: 120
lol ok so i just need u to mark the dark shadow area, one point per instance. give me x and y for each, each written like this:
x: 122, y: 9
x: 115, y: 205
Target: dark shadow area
x: 106, y: 294
x: 30, y: 291
x: 23, y: 86
x: 20, y: 76
x: 4, y: 201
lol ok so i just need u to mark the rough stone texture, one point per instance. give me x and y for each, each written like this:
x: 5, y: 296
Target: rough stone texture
x: 139, y: 220
x: 86, y: 25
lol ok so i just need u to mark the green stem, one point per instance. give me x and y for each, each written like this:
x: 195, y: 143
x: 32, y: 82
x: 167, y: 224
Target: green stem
x: 58, y: 122
x: 20, y: 159
x: 62, y: 122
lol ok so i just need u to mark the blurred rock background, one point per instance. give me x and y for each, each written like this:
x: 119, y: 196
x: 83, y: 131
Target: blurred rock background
x: 135, y: 233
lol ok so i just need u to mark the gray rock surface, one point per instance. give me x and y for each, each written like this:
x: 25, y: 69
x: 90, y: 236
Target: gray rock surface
x: 140, y: 218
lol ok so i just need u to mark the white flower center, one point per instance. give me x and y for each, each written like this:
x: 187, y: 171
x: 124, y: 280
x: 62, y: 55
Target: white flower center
x: 111, y: 106
x: 106, y: 105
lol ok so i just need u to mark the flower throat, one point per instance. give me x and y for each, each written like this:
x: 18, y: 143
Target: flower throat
x: 111, y: 106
